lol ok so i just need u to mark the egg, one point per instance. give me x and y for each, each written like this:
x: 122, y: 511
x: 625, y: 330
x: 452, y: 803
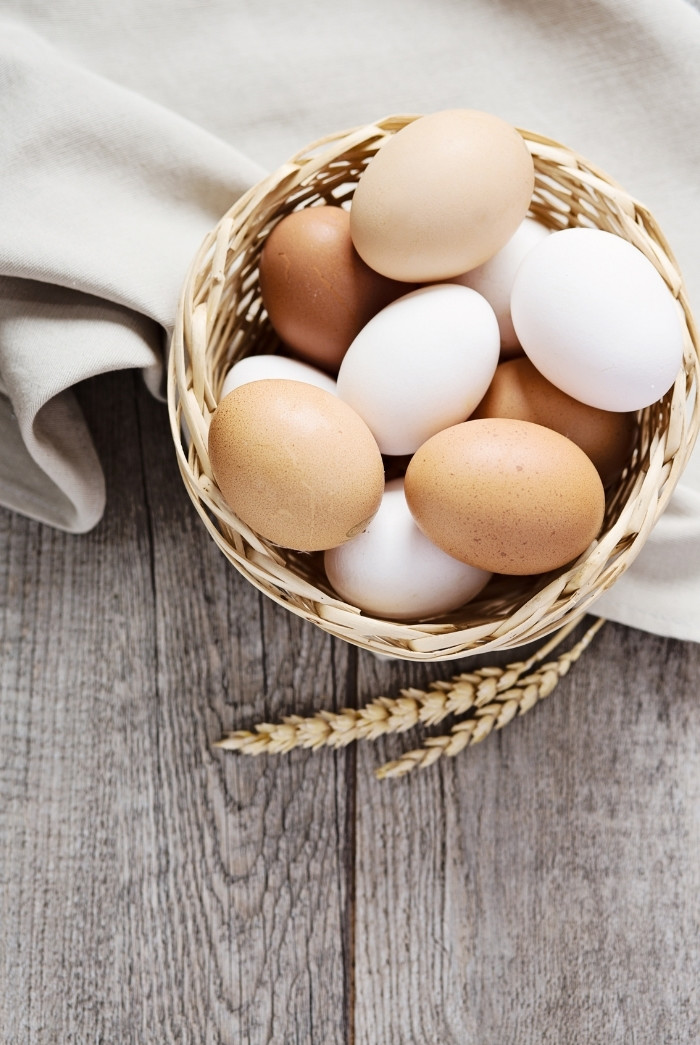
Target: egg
x: 257, y: 368
x: 494, y: 279
x: 421, y: 364
x: 441, y: 195
x: 295, y: 463
x: 392, y: 570
x: 317, y: 290
x: 597, y: 319
x: 520, y: 391
x: 507, y: 496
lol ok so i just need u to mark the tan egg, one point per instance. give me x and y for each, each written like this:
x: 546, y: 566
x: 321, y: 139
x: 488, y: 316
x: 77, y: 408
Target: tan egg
x: 295, y: 463
x: 442, y: 195
x: 317, y: 290
x: 518, y: 390
x: 506, y: 496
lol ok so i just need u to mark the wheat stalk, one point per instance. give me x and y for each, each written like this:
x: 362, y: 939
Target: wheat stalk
x: 506, y: 702
x: 489, y: 696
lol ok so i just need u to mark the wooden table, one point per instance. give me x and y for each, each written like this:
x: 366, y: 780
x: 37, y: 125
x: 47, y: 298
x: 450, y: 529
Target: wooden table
x: 541, y: 887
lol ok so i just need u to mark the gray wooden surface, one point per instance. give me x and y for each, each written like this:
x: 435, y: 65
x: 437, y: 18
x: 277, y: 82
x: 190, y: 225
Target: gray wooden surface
x: 542, y: 887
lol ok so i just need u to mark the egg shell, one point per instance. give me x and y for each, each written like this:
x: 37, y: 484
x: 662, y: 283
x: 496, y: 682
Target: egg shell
x: 597, y: 319
x: 393, y: 571
x: 441, y: 195
x: 494, y: 279
x: 295, y: 463
x: 421, y: 364
x: 520, y: 391
x: 507, y: 496
x: 317, y: 290
x: 258, y: 368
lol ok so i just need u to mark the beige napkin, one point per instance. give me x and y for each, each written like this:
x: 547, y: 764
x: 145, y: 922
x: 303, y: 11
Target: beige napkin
x: 127, y: 130
x: 105, y: 197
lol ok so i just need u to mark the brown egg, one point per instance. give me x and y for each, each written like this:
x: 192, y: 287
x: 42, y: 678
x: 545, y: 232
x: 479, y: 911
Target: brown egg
x: 317, y: 290
x: 518, y: 390
x: 505, y: 496
x: 295, y: 463
x: 442, y: 195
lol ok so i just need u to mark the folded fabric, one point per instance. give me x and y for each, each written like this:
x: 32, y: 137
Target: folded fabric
x: 126, y: 132
x: 105, y: 198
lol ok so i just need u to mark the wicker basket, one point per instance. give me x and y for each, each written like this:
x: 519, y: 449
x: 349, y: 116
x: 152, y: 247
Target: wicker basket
x: 221, y: 318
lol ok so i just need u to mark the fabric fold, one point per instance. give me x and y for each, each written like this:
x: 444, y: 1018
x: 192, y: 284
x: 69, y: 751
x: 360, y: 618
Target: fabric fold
x: 105, y: 198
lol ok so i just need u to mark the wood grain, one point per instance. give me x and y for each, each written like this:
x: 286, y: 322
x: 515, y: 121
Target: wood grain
x: 154, y: 889
x: 541, y: 887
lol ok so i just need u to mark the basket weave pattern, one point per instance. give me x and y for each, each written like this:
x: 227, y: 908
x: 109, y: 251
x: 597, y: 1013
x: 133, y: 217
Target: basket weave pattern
x: 221, y: 318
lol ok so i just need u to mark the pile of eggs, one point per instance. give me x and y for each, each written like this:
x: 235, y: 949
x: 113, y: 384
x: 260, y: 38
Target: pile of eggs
x: 459, y: 385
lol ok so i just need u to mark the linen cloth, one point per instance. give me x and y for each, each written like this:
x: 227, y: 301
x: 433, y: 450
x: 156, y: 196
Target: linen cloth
x: 127, y: 130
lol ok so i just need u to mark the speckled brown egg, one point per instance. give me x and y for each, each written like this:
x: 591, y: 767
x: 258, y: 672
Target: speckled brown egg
x: 317, y: 290
x: 295, y: 463
x: 507, y: 496
x: 442, y: 195
x: 518, y: 390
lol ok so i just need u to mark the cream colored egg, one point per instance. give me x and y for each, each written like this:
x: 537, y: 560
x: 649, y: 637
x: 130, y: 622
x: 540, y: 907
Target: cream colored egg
x: 257, y: 368
x: 494, y: 279
x: 442, y: 195
x: 393, y: 570
x: 295, y: 463
x: 421, y: 364
x: 597, y: 319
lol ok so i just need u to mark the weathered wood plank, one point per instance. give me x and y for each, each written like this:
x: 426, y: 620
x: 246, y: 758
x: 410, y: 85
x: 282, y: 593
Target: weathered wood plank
x: 543, y: 886
x: 155, y: 889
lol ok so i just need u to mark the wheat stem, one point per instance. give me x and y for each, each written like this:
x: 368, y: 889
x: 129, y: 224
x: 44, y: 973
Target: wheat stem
x: 484, y: 718
x: 490, y: 696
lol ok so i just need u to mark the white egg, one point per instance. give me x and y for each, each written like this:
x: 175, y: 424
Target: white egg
x: 258, y: 368
x: 597, y: 319
x: 421, y: 364
x: 494, y: 279
x: 392, y: 570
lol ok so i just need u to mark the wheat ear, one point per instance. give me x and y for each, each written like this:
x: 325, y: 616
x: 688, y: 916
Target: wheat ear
x: 490, y: 696
x: 499, y: 702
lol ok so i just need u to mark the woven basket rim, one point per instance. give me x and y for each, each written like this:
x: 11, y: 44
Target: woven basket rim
x: 209, y: 334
